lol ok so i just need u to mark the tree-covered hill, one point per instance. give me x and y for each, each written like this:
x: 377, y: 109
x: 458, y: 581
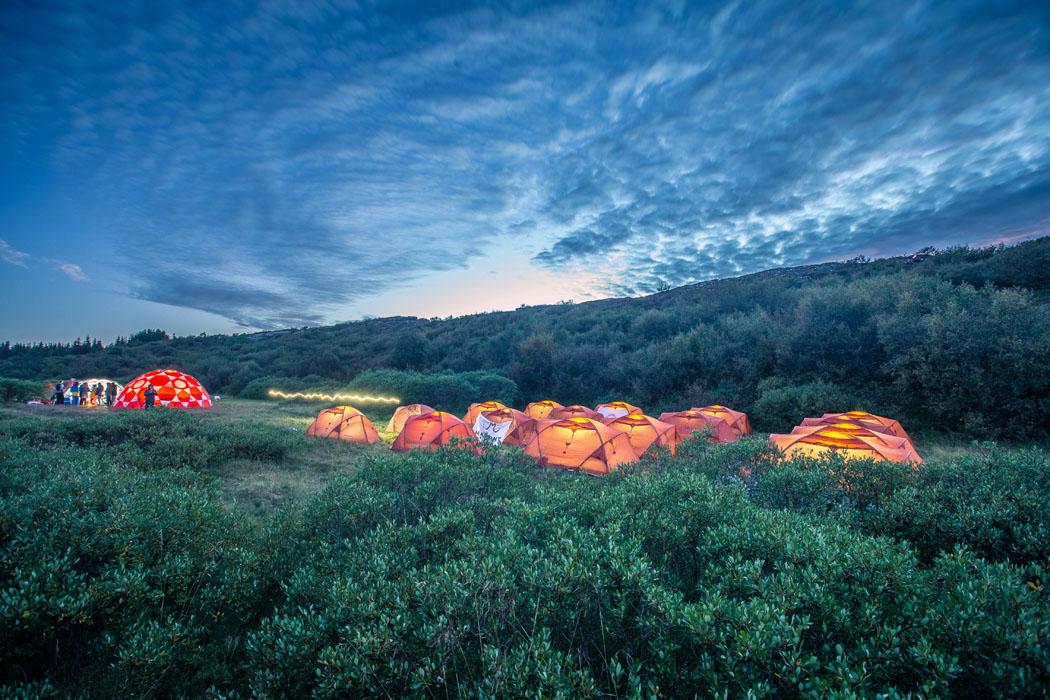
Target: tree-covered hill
x: 953, y: 340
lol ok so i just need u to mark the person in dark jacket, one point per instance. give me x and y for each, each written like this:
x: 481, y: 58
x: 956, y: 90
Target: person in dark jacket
x: 149, y: 396
x: 60, y: 394
x: 111, y: 393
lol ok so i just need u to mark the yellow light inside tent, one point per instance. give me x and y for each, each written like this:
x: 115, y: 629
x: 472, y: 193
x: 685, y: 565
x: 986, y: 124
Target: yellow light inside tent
x: 332, y: 397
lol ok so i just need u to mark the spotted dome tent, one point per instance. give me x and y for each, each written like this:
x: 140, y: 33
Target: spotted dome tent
x: 497, y: 425
x: 737, y: 420
x: 854, y: 443
x: 862, y: 418
x: 685, y: 422
x: 615, y: 409
x: 343, y: 423
x: 476, y: 409
x: 643, y: 431
x: 68, y: 398
x: 174, y: 390
x: 580, y: 443
x: 429, y: 431
x: 541, y: 410
x: 403, y: 413
x: 576, y: 411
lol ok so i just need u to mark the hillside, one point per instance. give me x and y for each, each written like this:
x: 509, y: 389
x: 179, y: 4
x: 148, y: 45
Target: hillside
x: 949, y: 341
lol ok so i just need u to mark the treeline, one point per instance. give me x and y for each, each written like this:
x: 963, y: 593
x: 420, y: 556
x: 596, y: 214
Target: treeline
x: 955, y: 341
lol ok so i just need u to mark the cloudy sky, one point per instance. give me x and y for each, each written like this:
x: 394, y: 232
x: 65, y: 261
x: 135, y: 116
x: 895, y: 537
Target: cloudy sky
x: 233, y: 166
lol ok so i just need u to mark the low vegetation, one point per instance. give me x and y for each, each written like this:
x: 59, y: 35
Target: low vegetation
x: 128, y: 567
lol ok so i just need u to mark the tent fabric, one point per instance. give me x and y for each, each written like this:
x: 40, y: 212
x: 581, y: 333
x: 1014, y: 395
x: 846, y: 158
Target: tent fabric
x: 615, y: 409
x: 541, y: 410
x: 868, y: 420
x: 92, y: 381
x: 737, y: 420
x: 685, y: 422
x: 428, y: 431
x: 580, y: 443
x: 644, y: 431
x: 174, y: 390
x: 504, y: 426
x: 853, y: 443
x: 563, y: 412
x: 476, y: 409
x: 343, y: 423
x: 403, y: 413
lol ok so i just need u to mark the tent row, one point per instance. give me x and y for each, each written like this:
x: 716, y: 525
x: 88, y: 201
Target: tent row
x: 854, y: 435
x: 569, y: 437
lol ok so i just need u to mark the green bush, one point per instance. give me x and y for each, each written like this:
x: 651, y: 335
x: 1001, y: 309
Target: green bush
x: 22, y: 390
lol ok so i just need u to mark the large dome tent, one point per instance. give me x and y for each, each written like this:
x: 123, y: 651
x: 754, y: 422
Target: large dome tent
x: 581, y: 444
x: 429, y: 431
x: 644, y: 431
x: 91, y: 381
x: 688, y: 421
x: 403, y: 413
x: 343, y: 423
x: 862, y: 418
x: 174, y: 390
x: 541, y: 410
x: 498, y: 424
x: 615, y: 409
x: 576, y: 411
x: 737, y: 420
x: 852, y: 443
x: 476, y: 409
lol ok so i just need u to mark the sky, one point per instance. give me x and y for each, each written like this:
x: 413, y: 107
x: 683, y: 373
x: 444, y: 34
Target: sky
x: 229, y: 167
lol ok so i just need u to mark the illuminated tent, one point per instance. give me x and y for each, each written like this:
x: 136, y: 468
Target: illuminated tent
x: 688, y: 421
x: 68, y: 398
x: 343, y: 423
x: 853, y: 443
x: 428, y: 431
x: 737, y: 420
x: 615, y: 409
x: 476, y: 409
x: 497, y: 426
x: 580, y: 443
x: 174, y: 390
x: 643, y: 431
x: 403, y: 413
x: 541, y: 410
x: 562, y: 412
x: 862, y: 418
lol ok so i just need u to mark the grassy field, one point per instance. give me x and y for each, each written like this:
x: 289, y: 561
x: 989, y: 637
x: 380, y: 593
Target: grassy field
x: 221, y: 553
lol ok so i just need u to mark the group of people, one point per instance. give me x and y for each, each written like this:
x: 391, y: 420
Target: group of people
x: 83, y: 394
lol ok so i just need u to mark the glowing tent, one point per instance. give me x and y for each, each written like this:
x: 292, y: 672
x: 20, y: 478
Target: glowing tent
x: 580, y: 443
x: 428, y: 431
x: 476, y: 409
x: 562, y: 412
x: 644, y: 431
x: 737, y: 420
x: 403, y: 413
x: 174, y: 390
x: 498, y: 425
x: 615, y: 409
x: 688, y: 421
x: 343, y: 423
x: 855, y: 443
x: 541, y: 410
x: 862, y: 418
x: 90, y: 382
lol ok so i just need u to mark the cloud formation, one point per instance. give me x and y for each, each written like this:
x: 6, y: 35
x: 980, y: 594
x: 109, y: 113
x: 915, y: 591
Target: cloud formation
x: 10, y: 255
x: 275, y: 162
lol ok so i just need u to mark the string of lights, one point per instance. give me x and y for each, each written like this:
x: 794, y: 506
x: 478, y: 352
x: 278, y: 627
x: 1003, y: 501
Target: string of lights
x: 331, y: 397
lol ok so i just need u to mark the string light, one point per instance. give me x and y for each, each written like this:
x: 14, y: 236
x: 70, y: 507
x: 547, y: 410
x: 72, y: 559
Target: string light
x: 331, y: 397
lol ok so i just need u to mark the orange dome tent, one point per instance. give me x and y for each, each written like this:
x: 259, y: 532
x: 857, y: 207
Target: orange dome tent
x: 562, y: 412
x: 853, y: 443
x: 688, y: 421
x: 643, y: 431
x: 428, y: 431
x: 498, y: 425
x: 541, y: 410
x: 737, y: 420
x: 615, y: 409
x: 476, y: 409
x: 580, y: 443
x: 862, y: 418
x: 403, y: 413
x: 174, y: 390
x: 343, y: 423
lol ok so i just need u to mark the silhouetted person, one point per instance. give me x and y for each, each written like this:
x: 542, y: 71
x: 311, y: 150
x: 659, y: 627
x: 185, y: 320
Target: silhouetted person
x: 149, y: 396
x: 111, y: 393
x: 85, y: 394
x: 60, y: 394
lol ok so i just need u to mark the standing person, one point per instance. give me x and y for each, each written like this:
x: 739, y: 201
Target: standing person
x: 60, y: 395
x: 74, y: 392
x: 85, y: 394
x: 149, y: 396
x: 111, y: 393
x: 96, y: 394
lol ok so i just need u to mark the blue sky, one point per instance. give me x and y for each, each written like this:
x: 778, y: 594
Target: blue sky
x: 234, y: 166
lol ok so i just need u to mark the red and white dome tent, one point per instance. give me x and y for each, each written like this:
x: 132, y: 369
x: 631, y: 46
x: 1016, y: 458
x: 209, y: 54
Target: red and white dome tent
x: 174, y: 390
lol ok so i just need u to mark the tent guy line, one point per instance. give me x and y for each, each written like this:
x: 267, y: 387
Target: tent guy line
x: 331, y: 397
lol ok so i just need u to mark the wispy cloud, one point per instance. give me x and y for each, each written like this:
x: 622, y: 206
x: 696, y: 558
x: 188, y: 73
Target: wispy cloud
x: 10, y: 255
x: 275, y: 164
